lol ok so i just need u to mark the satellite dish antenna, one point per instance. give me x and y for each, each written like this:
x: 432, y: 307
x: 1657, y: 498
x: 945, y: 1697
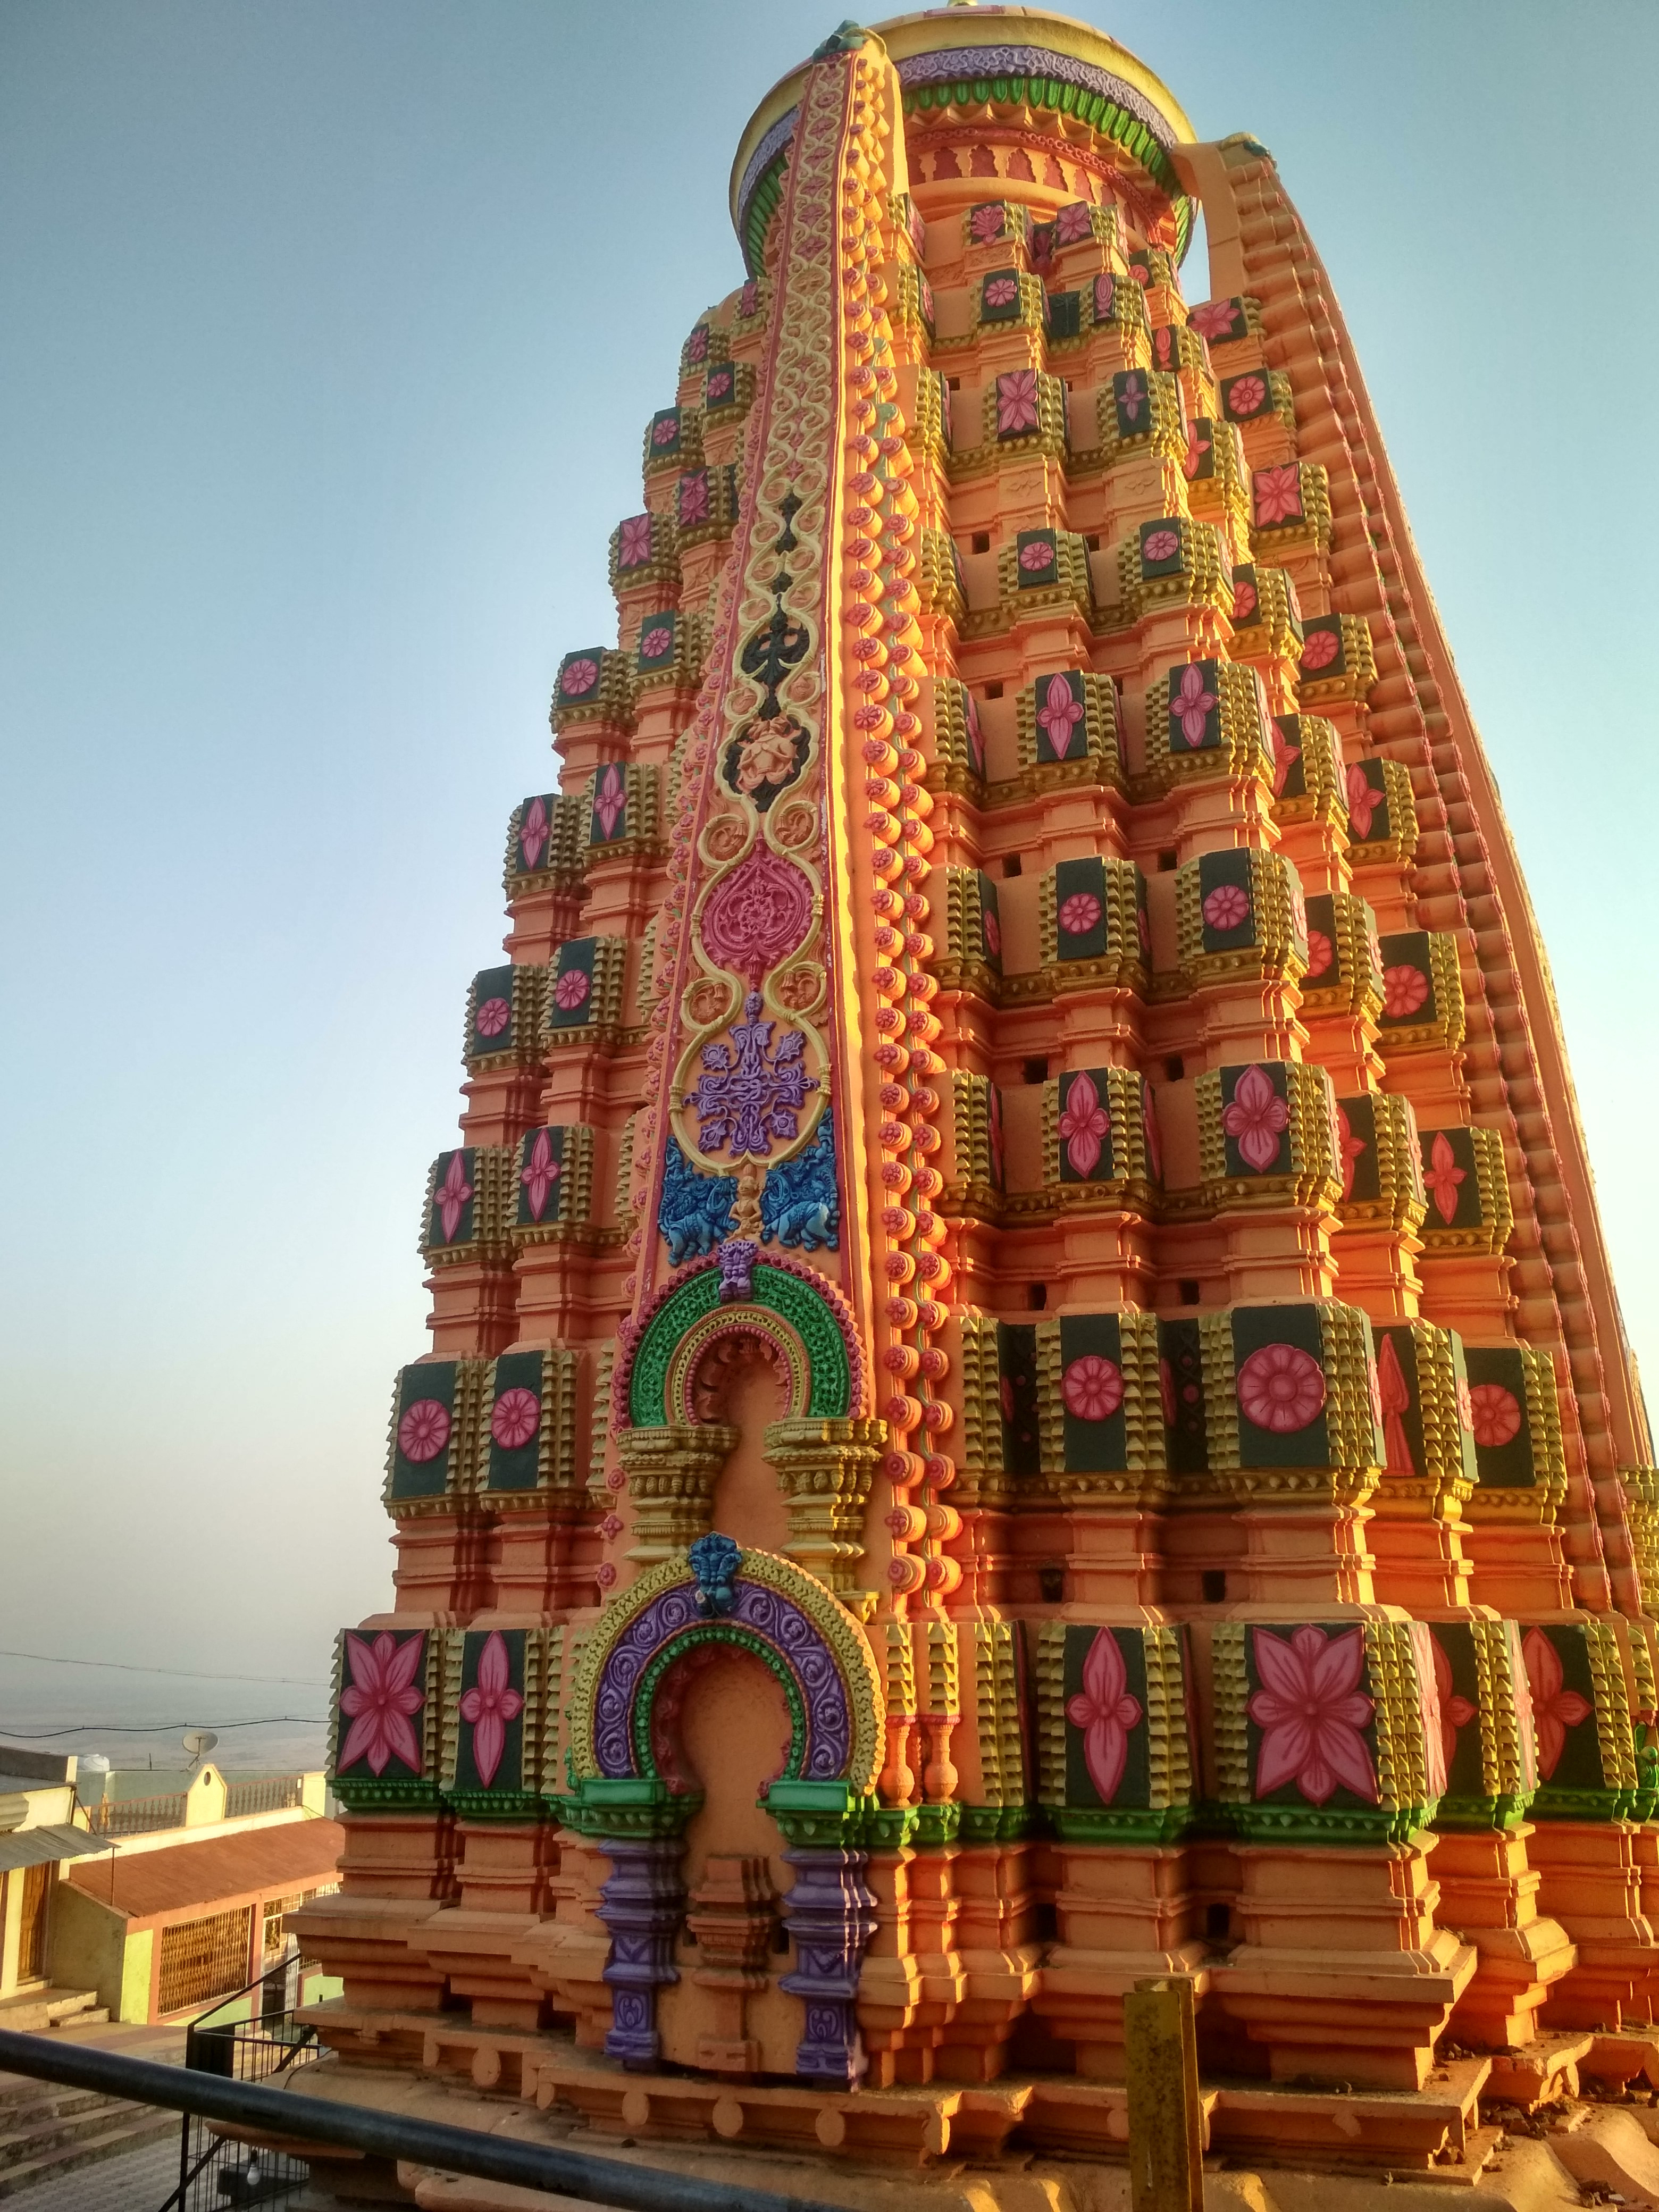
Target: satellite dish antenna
x: 199, y: 1742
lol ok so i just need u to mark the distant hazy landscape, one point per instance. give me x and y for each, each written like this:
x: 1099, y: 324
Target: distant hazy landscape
x: 137, y: 1719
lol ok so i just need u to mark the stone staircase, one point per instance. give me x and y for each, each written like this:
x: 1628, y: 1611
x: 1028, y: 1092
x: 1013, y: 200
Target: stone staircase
x: 46, y: 2130
x: 44, y: 2010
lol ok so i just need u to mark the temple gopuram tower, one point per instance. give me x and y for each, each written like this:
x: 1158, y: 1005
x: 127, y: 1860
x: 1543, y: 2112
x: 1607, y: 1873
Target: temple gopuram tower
x: 1024, y: 1390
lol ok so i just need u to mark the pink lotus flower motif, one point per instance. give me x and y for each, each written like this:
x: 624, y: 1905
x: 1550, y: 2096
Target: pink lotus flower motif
x: 380, y: 1700
x: 1255, y: 1118
x: 1363, y: 802
x: 515, y: 1419
x: 1080, y: 914
x: 1082, y: 1125
x: 1465, y: 1404
x: 1149, y: 1131
x: 1107, y: 1712
x: 1319, y: 649
x: 1160, y: 545
x: 1394, y: 1403
x: 985, y: 223
x: 1166, y: 1393
x: 1494, y: 1415
x: 540, y: 1173
x: 1059, y: 715
x: 1017, y: 402
x: 691, y: 495
x: 1455, y: 1711
x: 666, y: 429
x: 697, y: 346
x: 1554, y: 1709
x: 612, y: 1527
x: 655, y: 641
x: 1348, y: 1146
x: 1190, y: 702
x: 1213, y: 319
x: 1036, y: 556
x: 532, y: 833
x: 999, y: 291
x: 993, y: 1133
x: 1227, y: 907
x: 1404, y: 990
x: 1246, y: 599
x: 634, y: 542
x: 1312, y: 1713
x: 1072, y: 224
x: 1141, y: 273
x: 1285, y: 756
x: 1247, y: 396
x: 492, y: 1017
x: 1133, y: 392
x: 572, y: 989
x: 992, y: 929
x: 1092, y: 1387
x: 1321, y: 953
x: 423, y: 1430
x: 610, y: 796
x: 1105, y: 297
x: 451, y: 1195
x: 1444, y: 1177
x: 749, y: 300
x: 975, y: 735
x: 719, y: 386
x: 605, y: 1573
x: 927, y: 300
x: 1281, y: 1388
x: 580, y: 676
x: 1278, y: 496
x: 489, y: 1705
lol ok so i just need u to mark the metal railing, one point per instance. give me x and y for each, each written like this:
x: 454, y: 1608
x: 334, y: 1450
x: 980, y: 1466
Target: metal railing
x: 250, y: 2036
x: 259, y: 2109
x: 277, y: 1793
x: 136, y: 1816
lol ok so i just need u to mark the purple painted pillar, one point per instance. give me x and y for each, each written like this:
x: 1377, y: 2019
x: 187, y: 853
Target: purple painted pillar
x: 831, y: 1916
x: 642, y: 1905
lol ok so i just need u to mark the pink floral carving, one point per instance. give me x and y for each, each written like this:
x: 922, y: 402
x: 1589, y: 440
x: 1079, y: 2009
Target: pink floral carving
x: 1278, y: 496
x: 1092, y: 1387
x: 697, y: 346
x: 1320, y: 650
x: 1285, y: 756
x: 580, y: 676
x: 656, y: 642
x: 1000, y: 290
x: 1321, y: 953
x: 1005, y: 1397
x: 1227, y: 906
x: 610, y: 796
x: 665, y: 432
x: 532, y: 833
x: 748, y: 300
x: 1213, y: 319
x: 1404, y: 990
x: 1247, y: 395
x: 1281, y: 1388
x: 1554, y: 1709
x: 1363, y: 802
x: 992, y: 929
x: 1456, y: 1711
x: 1083, y: 1123
x: 1160, y: 545
x: 1255, y: 1117
x: 572, y: 989
x: 1072, y: 224
x: 1017, y: 402
x: 1166, y: 1392
x: 1196, y: 449
x: 1442, y: 1176
x: 1494, y: 1415
x: 540, y: 1173
x: 634, y: 542
x: 976, y: 734
x: 1190, y: 702
x: 380, y: 1700
x: 1105, y: 297
x: 1037, y: 556
x: 1312, y: 1713
x: 757, y: 914
x: 423, y: 1430
x: 1348, y: 1149
x: 452, y: 1195
x: 1149, y: 1130
x: 1059, y: 714
x: 1079, y: 913
x: 994, y: 1131
x: 492, y: 1017
x: 1130, y: 399
x: 718, y: 386
x: 1246, y: 600
x: 1395, y: 1395
x: 1107, y: 1712
x: 691, y: 495
x: 985, y: 223
x: 515, y: 1419
x: 489, y: 1705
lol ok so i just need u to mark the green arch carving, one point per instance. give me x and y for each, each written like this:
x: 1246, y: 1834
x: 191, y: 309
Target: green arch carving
x: 718, y: 1631
x: 830, y: 1379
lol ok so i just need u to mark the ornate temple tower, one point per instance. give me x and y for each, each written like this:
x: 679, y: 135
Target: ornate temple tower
x: 1026, y: 1389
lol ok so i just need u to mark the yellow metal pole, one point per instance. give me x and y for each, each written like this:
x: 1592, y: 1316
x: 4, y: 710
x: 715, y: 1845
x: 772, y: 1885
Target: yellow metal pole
x: 1166, y: 2128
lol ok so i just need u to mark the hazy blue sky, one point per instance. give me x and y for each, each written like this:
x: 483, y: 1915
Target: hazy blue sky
x: 328, y: 332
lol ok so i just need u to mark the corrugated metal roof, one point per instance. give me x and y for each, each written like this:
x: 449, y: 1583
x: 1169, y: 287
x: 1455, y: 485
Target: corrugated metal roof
x: 189, y: 1877
x: 25, y: 1847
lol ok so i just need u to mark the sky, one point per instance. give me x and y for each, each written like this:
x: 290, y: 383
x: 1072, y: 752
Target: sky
x: 329, y: 331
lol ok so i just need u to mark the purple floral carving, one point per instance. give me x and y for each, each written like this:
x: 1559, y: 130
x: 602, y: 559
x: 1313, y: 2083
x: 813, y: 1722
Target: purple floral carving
x: 751, y: 1090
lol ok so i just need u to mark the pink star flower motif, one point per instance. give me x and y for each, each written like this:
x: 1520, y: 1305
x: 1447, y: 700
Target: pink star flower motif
x: 489, y: 1705
x: 1107, y: 1712
x: 1227, y: 907
x: 1017, y: 402
x: 1059, y: 715
x: 1079, y: 913
x: 1321, y: 953
x: 1092, y: 1387
x: 749, y: 300
x: 999, y: 291
x: 634, y: 541
x: 1348, y: 1149
x: 1363, y: 803
x: 423, y: 1430
x: 1196, y: 449
x: 1247, y: 396
x: 1404, y: 990
x: 1278, y: 496
x: 975, y: 735
x: 1285, y: 756
x: 451, y: 1195
x: 1105, y: 296
x: 1190, y: 702
x: 1246, y: 601
x: 697, y: 346
x: 666, y: 429
x: 380, y: 1700
x: 692, y: 496
x: 927, y: 300
x: 580, y: 676
x: 1083, y: 1124
x: 1394, y: 1403
x: 610, y: 796
x: 656, y: 642
x: 612, y: 1527
x: 1554, y: 1709
x: 1312, y: 1713
x: 532, y: 833
x: 1160, y: 545
x: 1255, y: 1118
x: 1212, y: 319
x: 1149, y: 1130
x: 1036, y: 556
x: 985, y: 223
x: 572, y: 989
x: 1319, y: 649
x: 1443, y: 1176
x: 492, y: 1017
x: 1281, y: 1388
x: 1494, y: 1415
x: 539, y: 1174
x: 515, y: 1419
x: 1133, y: 392
x: 1072, y: 224
x: 1455, y: 1711
x: 992, y: 929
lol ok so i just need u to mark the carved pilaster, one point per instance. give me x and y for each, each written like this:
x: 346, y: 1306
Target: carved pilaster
x: 832, y: 1914
x: 642, y: 1906
x: 825, y: 1467
x: 671, y: 1480
x: 734, y: 1912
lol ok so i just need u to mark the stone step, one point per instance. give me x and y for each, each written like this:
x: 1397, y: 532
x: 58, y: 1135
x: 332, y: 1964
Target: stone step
x: 139, y: 2125
x: 50, y: 2009
x: 26, y: 2129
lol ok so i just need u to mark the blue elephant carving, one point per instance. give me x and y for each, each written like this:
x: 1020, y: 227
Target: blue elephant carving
x: 797, y: 1200
x: 696, y: 1210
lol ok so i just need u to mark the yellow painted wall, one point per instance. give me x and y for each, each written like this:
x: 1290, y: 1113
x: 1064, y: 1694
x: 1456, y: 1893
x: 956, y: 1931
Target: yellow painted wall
x: 135, y: 1976
x: 85, y: 1941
